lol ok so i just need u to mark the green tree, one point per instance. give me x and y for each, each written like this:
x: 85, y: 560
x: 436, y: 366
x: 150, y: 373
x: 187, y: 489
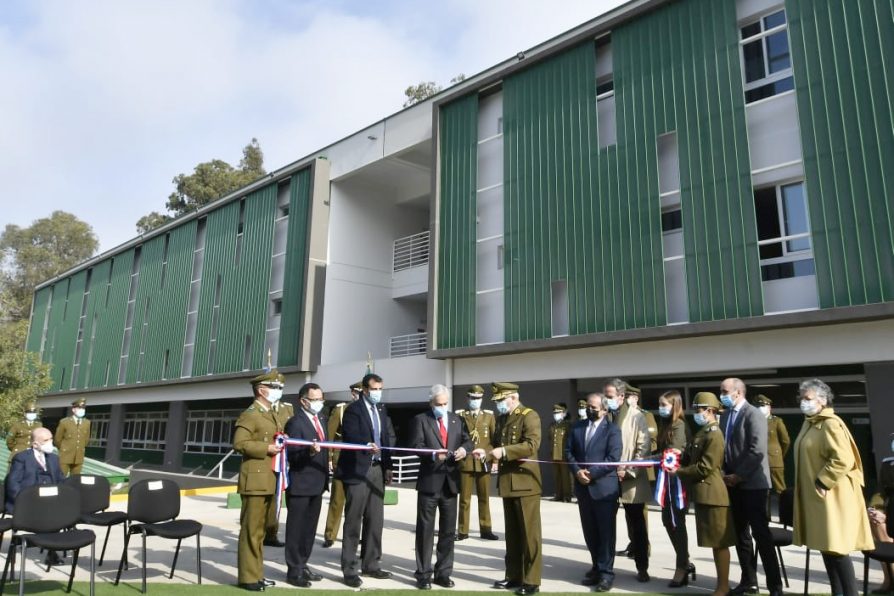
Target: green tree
x: 208, y: 182
x: 425, y: 89
x: 37, y: 253
x: 23, y: 377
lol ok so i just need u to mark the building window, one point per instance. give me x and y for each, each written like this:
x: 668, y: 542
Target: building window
x: 786, y: 255
x: 210, y: 431
x: 560, y: 322
x: 675, y: 292
x: 145, y: 430
x: 605, y: 93
x: 99, y: 429
x: 766, y: 60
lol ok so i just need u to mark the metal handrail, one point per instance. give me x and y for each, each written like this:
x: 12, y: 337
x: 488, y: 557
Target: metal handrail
x: 408, y: 345
x: 406, y: 468
x: 410, y: 251
x: 219, y: 465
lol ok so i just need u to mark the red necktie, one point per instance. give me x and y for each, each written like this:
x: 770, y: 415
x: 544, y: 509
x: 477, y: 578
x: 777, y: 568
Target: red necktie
x: 443, y: 432
x: 318, y: 427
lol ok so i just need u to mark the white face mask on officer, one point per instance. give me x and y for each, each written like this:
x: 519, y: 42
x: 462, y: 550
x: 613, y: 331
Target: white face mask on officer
x: 765, y: 410
x: 30, y: 416
x: 80, y: 412
x: 475, y: 404
x: 274, y: 394
x: 558, y: 416
x: 582, y: 412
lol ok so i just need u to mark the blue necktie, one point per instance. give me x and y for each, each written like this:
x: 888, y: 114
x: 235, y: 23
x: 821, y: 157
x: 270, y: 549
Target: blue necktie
x: 377, y: 433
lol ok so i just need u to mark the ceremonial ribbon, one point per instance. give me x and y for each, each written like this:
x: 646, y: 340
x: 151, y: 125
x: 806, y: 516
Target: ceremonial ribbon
x: 637, y: 463
x: 668, y: 486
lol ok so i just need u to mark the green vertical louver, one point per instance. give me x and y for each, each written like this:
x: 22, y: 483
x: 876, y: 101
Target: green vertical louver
x: 456, y: 223
x: 293, y: 298
x: 843, y: 56
x: 38, y: 319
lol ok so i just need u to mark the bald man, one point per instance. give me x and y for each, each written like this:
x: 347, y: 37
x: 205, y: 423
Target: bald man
x: 36, y: 466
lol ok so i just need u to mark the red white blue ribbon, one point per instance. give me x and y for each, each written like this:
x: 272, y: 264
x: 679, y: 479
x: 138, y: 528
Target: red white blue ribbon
x: 636, y: 463
x: 668, y: 486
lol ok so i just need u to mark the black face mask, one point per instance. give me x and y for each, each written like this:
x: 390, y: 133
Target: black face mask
x: 592, y: 415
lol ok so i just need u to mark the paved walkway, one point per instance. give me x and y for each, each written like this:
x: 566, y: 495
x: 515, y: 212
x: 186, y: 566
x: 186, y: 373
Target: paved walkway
x: 478, y: 562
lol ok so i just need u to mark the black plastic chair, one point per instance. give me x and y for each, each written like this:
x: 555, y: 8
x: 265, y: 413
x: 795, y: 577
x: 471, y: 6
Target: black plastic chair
x: 5, y: 522
x: 152, y: 510
x: 883, y: 551
x: 95, y: 492
x: 782, y: 536
x: 50, y: 513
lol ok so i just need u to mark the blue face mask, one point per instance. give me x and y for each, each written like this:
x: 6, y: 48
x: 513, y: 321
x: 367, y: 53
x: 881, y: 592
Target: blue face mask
x: 502, y: 407
x: 475, y: 404
x: 727, y: 400
x: 612, y: 404
x: 375, y: 396
x: 439, y: 411
x: 664, y: 411
x: 700, y: 419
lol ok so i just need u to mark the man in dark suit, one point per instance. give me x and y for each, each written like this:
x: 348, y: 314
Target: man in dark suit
x: 746, y: 472
x: 37, y: 466
x: 365, y: 474
x: 308, y: 480
x: 437, y: 486
x: 595, y: 440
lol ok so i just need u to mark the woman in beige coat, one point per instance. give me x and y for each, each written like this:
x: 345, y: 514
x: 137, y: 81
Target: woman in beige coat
x: 830, y: 511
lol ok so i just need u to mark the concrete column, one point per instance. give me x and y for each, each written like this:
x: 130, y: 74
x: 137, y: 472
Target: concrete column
x: 175, y: 435
x: 879, y: 382
x: 116, y: 433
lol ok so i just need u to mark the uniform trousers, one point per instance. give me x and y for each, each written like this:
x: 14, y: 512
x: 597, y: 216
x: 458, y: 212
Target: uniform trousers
x: 336, y: 507
x: 252, y: 520
x: 524, y: 560
x: 481, y: 482
x: 71, y: 469
x: 427, y: 504
x: 364, y: 511
x: 749, y: 509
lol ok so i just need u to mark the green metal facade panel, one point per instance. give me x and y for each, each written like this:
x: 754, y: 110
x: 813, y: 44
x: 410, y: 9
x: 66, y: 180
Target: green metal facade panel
x: 458, y: 139
x: 296, y: 268
x: 71, y: 299
x: 110, y: 312
x: 38, y: 318
x: 843, y: 57
x: 95, y: 298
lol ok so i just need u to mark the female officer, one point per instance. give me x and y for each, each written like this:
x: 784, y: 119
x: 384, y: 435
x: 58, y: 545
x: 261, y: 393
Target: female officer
x: 713, y: 520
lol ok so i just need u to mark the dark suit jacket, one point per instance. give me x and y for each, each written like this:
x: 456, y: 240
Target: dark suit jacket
x: 24, y: 471
x: 426, y: 434
x: 605, y: 445
x: 308, y: 472
x: 356, y: 427
x: 746, y: 448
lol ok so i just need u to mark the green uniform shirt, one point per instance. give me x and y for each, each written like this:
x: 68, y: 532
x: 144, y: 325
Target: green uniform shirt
x: 705, y: 457
x: 255, y: 429
x: 518, y: 433
x: 481, y: 427
x: 19, y: 436
x: 71, y: 439
x: 558, y: 435
x: 778, y: 441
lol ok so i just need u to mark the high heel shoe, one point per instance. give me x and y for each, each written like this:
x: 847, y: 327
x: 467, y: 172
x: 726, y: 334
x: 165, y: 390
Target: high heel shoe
x: 691, y: 570
x: 683, y: 581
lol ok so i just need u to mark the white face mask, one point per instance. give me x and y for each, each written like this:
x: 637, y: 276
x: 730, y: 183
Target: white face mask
x: 765, y: 410
x: 582, y: 412
x: 47, y: 448
x: 273, y: 395
x: 558, y: 416
x: 80, y: 412
x: 892, y: 446
x: 809, y: 407
x: 632, y: 402
x: 30, y: 416
x: 475, y: 404
x: 315, y: 406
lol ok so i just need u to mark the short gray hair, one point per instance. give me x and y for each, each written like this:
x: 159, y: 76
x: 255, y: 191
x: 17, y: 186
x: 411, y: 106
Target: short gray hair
x: 619, y: 384
x: 437, y: 390
x: 819, y: 389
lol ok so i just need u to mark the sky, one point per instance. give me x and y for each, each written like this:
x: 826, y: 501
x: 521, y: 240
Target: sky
x: 102, y: 102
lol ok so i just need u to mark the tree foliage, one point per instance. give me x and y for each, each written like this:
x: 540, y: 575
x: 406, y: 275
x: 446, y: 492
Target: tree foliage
x: 425, y: 89
x: 22, y: 375
x: 37, y: 253
x: 208, y: 182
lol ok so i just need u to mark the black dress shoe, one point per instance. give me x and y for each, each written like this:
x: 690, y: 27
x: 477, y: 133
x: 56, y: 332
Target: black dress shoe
x: 642, y: 576
x: 423, y: 584
x: 506, y: 584
x: 628, y: 550
x: 352, y: 581
x: 489, y: 536
x: 267, y: 582
x: 590, y: 581
x: 444, y: 582
x: 311, y: 576
x: 776, y: 592
x: 299, y: 583
x: 527, y: 589
x: 327, y: 543
x: 743, y: 589
x: 378, y: 574
x: 274, y: 542
x: 603, y: 586
x: 255, y: 587
x: 462, y: 536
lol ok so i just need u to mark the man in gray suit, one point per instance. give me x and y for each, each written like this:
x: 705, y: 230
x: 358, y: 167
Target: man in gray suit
x: 746, y: 470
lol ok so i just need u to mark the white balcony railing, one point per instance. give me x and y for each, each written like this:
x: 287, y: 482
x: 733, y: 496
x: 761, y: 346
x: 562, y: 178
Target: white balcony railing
x: 408, y: 345
x: 410, y: 251
x: 406, y: 468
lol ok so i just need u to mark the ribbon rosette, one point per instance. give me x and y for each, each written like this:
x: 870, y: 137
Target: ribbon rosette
x: 670, y: 460
x: 280, y: 465
x: 668, y: 488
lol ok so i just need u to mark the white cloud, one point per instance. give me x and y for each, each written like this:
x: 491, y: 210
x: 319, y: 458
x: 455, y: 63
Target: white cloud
x: 106, y: 101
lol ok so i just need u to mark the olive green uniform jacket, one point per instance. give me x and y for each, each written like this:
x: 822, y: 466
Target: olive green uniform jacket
x: 778, y: 443
x: 518, y: 433
x: 19, y: 436
x: 481, y: 428
x: 71, y: 440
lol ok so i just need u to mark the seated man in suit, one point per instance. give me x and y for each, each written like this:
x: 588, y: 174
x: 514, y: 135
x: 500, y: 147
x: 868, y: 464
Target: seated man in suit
x: 593, y: 440
x: 437, y: 486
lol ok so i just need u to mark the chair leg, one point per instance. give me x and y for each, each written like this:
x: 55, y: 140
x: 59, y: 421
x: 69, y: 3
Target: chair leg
x: 10, y: 561
x: 865, y: 574
x: 93, y: 568
x: 74, y: 565
x: 199, y: 556
x: 143, y: 532
x: 105, y: 542
x: 123, y: 560
x: 806, y: 571
x: 22, y: 570
x: 176, y: 554
x: 126, y: 532
x: 782, y: 565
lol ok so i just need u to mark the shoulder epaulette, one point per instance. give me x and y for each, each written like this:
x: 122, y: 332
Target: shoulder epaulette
x: 250, y: 408
x: 341, y: 404
x: 524, y: 411
x: 711, y: 429
x: 488, y: 411
x: 460, y: 412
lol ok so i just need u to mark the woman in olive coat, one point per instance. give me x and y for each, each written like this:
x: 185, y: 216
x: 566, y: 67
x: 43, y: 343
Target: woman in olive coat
x: 830, y: 511
x: 713, y: 520
x: 674, y: 434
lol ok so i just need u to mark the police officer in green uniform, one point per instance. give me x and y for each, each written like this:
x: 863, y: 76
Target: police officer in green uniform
x: 256, y: 428
x: 558, y: 434
x: 282, y: 411
x: 19, y: 436
x: 337, y: 489
x: 475, y: 472
x: 517, y: 437
x: 581, y: 409
x: 71, y: 438
x: 778, y: 443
